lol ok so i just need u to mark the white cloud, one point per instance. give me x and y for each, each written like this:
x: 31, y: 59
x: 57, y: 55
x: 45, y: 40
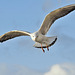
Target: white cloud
x: 62, y: 69
x: 58, y: 69
x: 21, y: 70
x: 16, y: 70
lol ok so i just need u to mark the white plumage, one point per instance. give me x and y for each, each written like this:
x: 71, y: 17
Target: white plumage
x: 39, y: 36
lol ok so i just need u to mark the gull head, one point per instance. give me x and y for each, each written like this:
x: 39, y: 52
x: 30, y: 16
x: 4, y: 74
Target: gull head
x: 34, y: 36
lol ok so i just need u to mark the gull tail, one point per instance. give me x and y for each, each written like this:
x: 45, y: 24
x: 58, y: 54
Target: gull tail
x: 51, y: 41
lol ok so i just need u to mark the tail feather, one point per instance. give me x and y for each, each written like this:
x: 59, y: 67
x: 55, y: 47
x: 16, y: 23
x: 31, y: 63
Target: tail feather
x: 52, y: 41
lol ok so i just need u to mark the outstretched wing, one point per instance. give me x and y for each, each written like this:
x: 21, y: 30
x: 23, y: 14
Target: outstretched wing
x: 13, y: 34
x: 51, y: 17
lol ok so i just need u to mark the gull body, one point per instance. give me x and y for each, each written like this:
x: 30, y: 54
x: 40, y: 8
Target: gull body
x: 41, y: 41
x: 39, y: 38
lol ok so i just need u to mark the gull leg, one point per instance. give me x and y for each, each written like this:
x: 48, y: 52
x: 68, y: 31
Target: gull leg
x: 47, y: 47
x: 42, y: 48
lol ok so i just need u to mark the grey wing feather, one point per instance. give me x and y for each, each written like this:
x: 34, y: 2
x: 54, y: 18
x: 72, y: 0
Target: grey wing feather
x: 51, y: 17
x: 13, y: 34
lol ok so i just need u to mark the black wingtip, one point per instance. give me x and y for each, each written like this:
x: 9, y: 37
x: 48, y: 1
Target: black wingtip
x: 1, y: 40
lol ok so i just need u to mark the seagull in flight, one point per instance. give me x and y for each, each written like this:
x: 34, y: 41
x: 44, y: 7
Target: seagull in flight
x: 41, y: 41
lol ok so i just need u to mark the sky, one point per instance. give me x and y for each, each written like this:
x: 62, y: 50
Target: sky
x: 18, y: 56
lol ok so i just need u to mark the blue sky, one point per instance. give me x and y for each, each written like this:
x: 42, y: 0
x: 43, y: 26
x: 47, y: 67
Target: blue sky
x: 28, y: 15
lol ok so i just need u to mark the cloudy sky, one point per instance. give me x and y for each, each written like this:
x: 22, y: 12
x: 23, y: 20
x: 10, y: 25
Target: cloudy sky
x: 18, y: 56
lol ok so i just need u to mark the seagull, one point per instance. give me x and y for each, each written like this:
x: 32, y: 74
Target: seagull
x: 41, y: 41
